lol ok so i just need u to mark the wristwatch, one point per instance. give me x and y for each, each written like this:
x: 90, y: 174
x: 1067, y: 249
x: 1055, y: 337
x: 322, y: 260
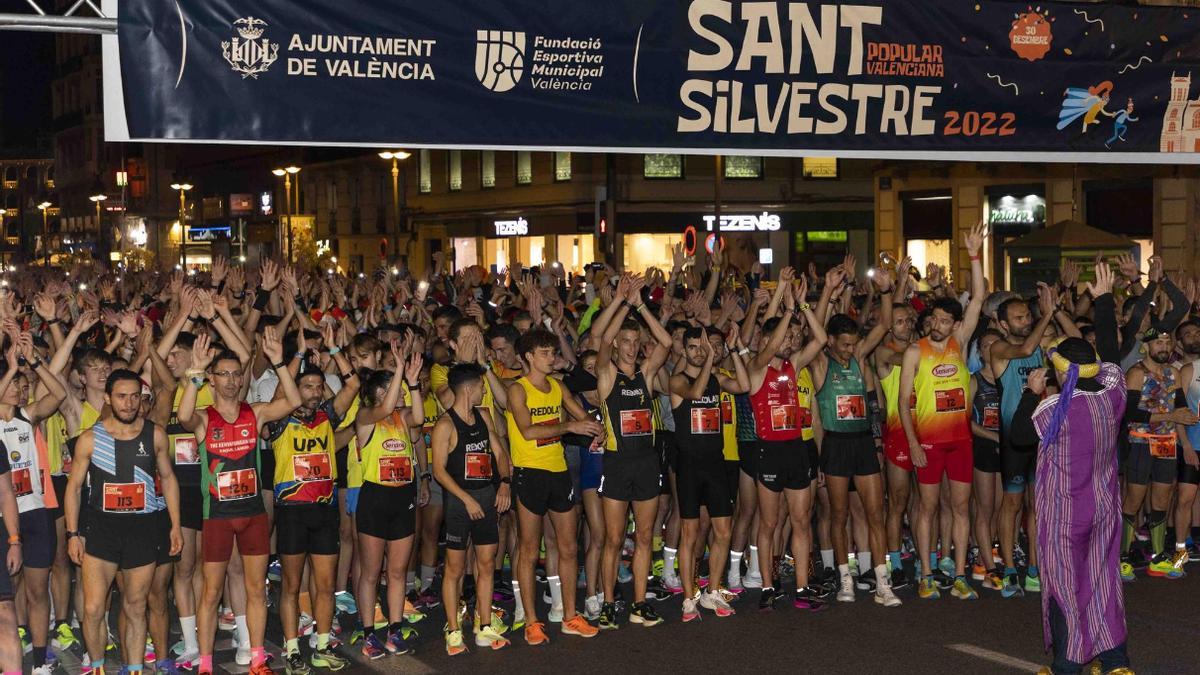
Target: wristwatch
x: 70, y: 534
x: 507, y: 480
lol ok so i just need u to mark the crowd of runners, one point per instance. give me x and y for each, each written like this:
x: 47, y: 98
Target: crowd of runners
x: 517, y: 447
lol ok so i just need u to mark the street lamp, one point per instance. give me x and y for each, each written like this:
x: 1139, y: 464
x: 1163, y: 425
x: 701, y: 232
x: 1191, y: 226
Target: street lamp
x: 287, y: 173
x: 183, y: 188
x: 98, y: 199
x: 395, y: 156
x: 44, y: 207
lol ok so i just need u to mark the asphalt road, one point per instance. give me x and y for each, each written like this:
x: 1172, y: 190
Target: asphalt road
x: 991, y: 635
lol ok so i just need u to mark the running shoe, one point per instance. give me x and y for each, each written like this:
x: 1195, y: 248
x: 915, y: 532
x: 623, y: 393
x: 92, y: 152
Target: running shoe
x: 88, y: 670
x: 656, y: 568
x: 26, y: 644
x: 713, y: 600
x: 884, y: 596
x: 454, y: 643
x: 345, y: 603
x: 328, y: 659
x: 1163, y: 566
x: 690, y: 612
x: 928, y: 590
x: 428, y: 598
x: 656, y: 591
x: 226, y: 620
x: 496, y: 623
x: 261, y: 669
x: 488, y: 637
x: 1180, y: 559
x: 644, y: 614
x: 294, y: 664
x: 357, y: 635
x: 946, y: 565
x: 1019, y: 556
x: 899, y: 578
x: 624, y: 576
x: 167, y: 667
x: 944, y: 581
x: 501, y: 591
x: 274, y: 571
x: 64, y: 638
x: 865, y: 581
x: 733, y: 584
x: 608, y: 616
x: 1012, y: 586
x: 373, y: 648
x: 242, y: 655
x: 978, y: 572
x: 809, y: 598
x: 828, y: 582
x: 579, y: 626
x: 846, y: 589
x: 306, y: 624
x: 1033, y: 582
x: 768, y: 598
x: 1127, y: 572
x: 752, y: 580
x: 555, y: 615
x: 535, y: 634
x: 591, y: 606
x: 396, y: 643
x: 994, y: 581
x: 672, y: 584
x: 189, y: 661
x: 44, y: 669
x: 963, y: 591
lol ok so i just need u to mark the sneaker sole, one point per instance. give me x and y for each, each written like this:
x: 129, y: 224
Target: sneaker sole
x: 880, y: 601
x: 688, y: 618
x: 456, y: 652
x: 644, y: 622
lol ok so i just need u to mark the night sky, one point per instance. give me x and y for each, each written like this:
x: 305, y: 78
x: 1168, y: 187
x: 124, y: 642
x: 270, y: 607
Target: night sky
x: 26, y: 70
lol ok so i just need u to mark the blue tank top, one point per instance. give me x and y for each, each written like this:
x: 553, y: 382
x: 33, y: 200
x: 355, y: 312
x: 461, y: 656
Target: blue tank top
x: 1012, y: 382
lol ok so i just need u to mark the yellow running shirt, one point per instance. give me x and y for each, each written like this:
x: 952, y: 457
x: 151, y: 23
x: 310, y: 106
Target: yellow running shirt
x: 942, y: 414
x: 387, y: 457
x: 544, y: 408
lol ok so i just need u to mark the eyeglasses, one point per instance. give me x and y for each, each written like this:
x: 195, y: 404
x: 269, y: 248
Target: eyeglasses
x: 227, y: 373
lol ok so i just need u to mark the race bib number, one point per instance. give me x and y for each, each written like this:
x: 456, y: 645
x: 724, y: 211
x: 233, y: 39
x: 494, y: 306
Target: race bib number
x: 726, y: 411
x: 851, y: 407
x: 950, y: 400
x: 783, y: 418
x: 1162, y: 446
x: 22, y: 482
x: 124, y: 497
x: 187, y: 450
x: 311, y: 466
x: 478, y: 466
x: 706, y: 421
x: 234, y: 485
x: 991, y: 418
x: 543, y: 442
x: 636, y: 423
x: 395, y: 470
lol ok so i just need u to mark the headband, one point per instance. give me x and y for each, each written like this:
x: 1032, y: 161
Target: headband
x: 1062, y: 364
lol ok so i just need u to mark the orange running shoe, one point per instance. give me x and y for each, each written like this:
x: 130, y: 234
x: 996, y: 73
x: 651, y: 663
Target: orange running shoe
x: 577, y: 625
x: 535, y: 634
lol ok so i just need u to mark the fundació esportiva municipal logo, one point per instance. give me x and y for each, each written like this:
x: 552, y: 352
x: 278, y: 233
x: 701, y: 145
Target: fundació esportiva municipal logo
x: 247, y: 54
x: 499, y: 58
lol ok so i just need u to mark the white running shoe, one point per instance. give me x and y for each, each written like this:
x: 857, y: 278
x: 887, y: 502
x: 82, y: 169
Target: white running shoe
x: 556, y: 614
x: 714, y: 601
x: 591, y: 607
x: 242, y: 657
x: 752, y: 580
x: 846, y: 593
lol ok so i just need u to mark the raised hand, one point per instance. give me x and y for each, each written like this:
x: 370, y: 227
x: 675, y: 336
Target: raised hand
x: 973, y: 240
x: 270, y: 275
x: 87, y: 320
x: 220, y: 267
x: 1128, y: 267
x: 412, y: 371
x: 43, y: 304
x: 204, y: 305
x: 202, y: 352
x: 272, y: 345
x: 127, y: 323
x: 1046, y: 300
x: 788, y: 273
x: 1104, y: 281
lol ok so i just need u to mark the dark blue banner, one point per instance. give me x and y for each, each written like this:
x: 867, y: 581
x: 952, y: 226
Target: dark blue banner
x: 892, y: 78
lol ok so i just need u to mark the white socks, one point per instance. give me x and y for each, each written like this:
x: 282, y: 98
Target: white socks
x: 669, y: 562
x: 242, y: 636
x: 427, y: 573
x: 519, y: 608
x: 827, y: 557
x: 864, y: 562
x: 555, y: 591
x: 753, y: 564
x: 735, y: 566
x: 191, y: 644
x: 881, y: 576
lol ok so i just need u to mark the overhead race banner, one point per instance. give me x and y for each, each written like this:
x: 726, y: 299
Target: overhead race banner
x: 890, y: 78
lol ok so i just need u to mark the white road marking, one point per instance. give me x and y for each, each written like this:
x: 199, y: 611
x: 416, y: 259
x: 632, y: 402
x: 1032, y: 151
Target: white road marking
x: 996, y: 657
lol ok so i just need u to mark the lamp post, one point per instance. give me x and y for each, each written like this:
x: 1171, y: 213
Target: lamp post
x: 44, y: 207
x: 98, y: 199
x: 395, y: 156
x: 183, y: 188
x: 287, y: 173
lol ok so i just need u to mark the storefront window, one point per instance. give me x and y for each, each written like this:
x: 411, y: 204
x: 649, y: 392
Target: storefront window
x: 524, y: 168
x: 925, y: 251
x: 662, y: 166
x: 515, y: 251
x: 455, y: 173
x: 562, y: 166
x: 487, y: 168
x: 820, y: 167
x: 743, y: 166
x: 574, y: 251
x: 424, y: 174
x: 643, y: 251
x: 466, y: 253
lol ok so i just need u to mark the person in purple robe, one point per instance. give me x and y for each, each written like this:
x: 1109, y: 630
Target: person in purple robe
x: 1078, y: 495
